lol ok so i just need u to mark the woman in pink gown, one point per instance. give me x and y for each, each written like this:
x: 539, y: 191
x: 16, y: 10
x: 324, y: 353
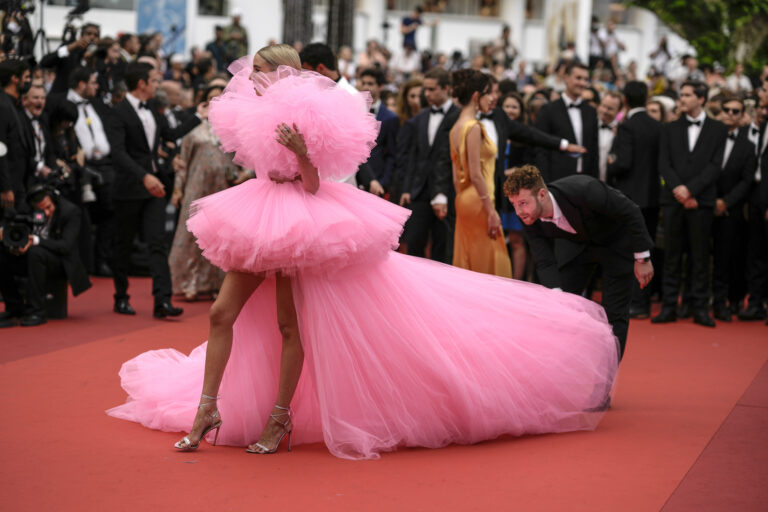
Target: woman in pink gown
x: 396, y: 350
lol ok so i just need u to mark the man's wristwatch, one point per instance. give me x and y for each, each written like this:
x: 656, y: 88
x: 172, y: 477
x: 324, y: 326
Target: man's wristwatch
x: 643, y: 260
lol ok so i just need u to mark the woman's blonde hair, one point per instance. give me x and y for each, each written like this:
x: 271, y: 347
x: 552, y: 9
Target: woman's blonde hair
x: 280, y: 55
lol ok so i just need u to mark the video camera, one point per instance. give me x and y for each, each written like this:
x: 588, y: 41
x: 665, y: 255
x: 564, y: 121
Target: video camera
x: 17, y: 227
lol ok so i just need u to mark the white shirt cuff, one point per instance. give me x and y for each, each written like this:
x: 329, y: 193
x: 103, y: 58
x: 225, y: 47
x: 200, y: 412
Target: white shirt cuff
x: 35, y: 240
x: 642, y: 255
x: 439, y: 199
x: 39, y: 166
x: 197, y: 114
x: 558, y: 289
x: 63, y: 52
x: 563, y: 144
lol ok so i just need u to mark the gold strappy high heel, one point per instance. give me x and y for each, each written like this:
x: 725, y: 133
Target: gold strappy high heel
x: 287, y: 429
x: 185, y: 444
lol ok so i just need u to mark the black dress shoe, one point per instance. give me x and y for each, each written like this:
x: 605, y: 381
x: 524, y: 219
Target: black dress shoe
x: 9, y: 322
x: 752, y: 313
x: 32, y: 320
x: 684, y: 311
x: 666, y: 316
x: 701, y: 317
x: 722, y: 312
x: 165, y: 309
x: 123, y: 307
x: 639, y: 312
x: 10, y: 315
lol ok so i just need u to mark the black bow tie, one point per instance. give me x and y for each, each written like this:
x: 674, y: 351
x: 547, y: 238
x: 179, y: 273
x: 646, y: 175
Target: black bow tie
x: 755, y: 131
x: 574, y: 105
x: 604, y: 126
x: 372, y: 111
x: 435, y: 110
x: 489, y: 115
x: 732, y: 136
x: 143, y: 104
x: 693, y: 123
x: 82, y: 103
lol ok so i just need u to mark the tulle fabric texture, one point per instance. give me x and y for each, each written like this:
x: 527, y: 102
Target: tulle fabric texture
x: 406, y: 352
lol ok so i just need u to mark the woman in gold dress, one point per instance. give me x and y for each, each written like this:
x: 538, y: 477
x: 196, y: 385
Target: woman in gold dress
x: 478, y: 238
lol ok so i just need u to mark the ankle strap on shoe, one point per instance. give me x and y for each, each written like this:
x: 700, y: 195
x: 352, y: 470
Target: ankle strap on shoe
x: 203, y: 395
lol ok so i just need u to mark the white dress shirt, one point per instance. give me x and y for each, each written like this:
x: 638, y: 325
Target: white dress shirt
x: 729, y: 146
x: 147, y: 119
x: 37, y: 134
x: 604, y: 142
x: 435, y: 119
x: 575, y: 116
x: 693, y: 130
x: 89, y: 128
x: 490, y: 130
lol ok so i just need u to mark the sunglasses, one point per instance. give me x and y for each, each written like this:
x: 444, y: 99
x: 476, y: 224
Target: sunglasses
x: 734, y: 111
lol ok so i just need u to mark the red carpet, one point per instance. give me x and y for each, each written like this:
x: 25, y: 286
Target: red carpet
x: 686, y: 432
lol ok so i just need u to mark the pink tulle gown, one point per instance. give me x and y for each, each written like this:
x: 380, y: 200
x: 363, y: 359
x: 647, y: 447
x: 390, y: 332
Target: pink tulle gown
x: 399, y: 351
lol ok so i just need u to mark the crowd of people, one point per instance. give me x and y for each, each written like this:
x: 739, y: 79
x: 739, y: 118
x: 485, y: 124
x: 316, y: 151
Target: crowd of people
x: 685, y: 144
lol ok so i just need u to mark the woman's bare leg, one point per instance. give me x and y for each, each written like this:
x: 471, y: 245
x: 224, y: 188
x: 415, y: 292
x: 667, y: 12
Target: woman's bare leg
x: 291, y: 362
x: 235, y: 291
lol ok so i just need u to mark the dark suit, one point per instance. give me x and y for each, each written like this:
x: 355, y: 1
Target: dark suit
x: 729, y: 231
x: 609, y: 230
x: 15, y: 166
x: 698, y: 170
x: 429, y: 173
x: 43, y: 139
x: 382, y: 159
x: 635, y: 172
x: 63, y: 67
x: 135, y: 207
x: 553, y: 119
x: 757, y: 249
x: 57, y: 254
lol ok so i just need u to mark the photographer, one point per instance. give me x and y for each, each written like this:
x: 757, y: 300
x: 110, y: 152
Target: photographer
x: 14, y: 166
x: 17, y: 36
x: 70, y: 56
x: 50, y: 251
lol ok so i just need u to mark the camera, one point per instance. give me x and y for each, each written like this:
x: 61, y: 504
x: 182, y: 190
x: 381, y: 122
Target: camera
x: 18, y: 227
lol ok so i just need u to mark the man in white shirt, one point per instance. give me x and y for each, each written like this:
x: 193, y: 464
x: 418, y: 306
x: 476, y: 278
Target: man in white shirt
x: 737, y: 83
x: 607, y: 111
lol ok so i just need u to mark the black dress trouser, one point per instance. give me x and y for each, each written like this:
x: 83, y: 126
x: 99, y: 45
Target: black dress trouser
x: 38, y: 265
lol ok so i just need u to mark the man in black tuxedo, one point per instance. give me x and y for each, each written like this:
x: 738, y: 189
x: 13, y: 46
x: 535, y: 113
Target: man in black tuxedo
x: 34, y: 125
x: 690, y: 161
x: 15, y: 166
x: 572, y: 119
x: 382, y: 159
x: 51, y: 251
x: 729, y: 228
x: 139, y: 192
x: 70, y: 56
x: 427, y: 184
x: 634, y: 170
x: 577, y: 223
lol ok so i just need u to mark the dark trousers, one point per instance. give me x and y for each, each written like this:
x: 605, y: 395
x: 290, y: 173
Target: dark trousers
x: 617, y: 276
x: 422, y: 224
x: 102, y: 214
x: 729, y: 257
x: 697, y: 225
x: 757, y: 254
x: 641, y: 297
x: 145, y: 216
x: 37, y: 265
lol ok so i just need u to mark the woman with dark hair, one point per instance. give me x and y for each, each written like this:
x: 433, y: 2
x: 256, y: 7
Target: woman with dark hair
x: 409, y: 100
x: 409, y: 103
x: 205, y: 170
x: 478, y: 237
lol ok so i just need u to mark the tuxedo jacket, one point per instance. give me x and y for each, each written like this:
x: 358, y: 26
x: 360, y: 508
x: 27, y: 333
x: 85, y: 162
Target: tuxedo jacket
x: 405, y: 138
x: 63, y: 67
x: 382, y: 159
x: 63, y: 241
x: 553, y: 119
x: 15, y: 166
x: 603, y: 218
x: 759, y: 194
x: 736, y: 178
x: 507, y: 129
x: 698, y: 169
x: 429, y: 169
x: 635, y: 172
x: 48, y: 157
x: 132, y: 156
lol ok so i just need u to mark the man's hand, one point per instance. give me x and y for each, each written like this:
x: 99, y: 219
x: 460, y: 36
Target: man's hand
x: 691, y: 203
x: 23, y: 250
x: 376, y: 188
x: 405, y: 199
x: 153, y: 185
x: 7, y: 199
x: 441, y: 210
x: 202, y: 110
x: 720, y: 208
x: 575, y: 148
x: 681, y: 193
x: 81, y: 43
x: 643, y: 272
x: 45, y: 171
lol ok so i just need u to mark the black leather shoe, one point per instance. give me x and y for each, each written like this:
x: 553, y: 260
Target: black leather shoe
x: 165, y: 309
x: 722, y: 312
x: 684, y: 311
x: 639, y: 312
x: 666, y: 316
x: 701, y: 317
x: 9, y: 322
x: 752, y: 313
x: 123, y: 307
x: 32, y: 320
x: 8, y: 315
